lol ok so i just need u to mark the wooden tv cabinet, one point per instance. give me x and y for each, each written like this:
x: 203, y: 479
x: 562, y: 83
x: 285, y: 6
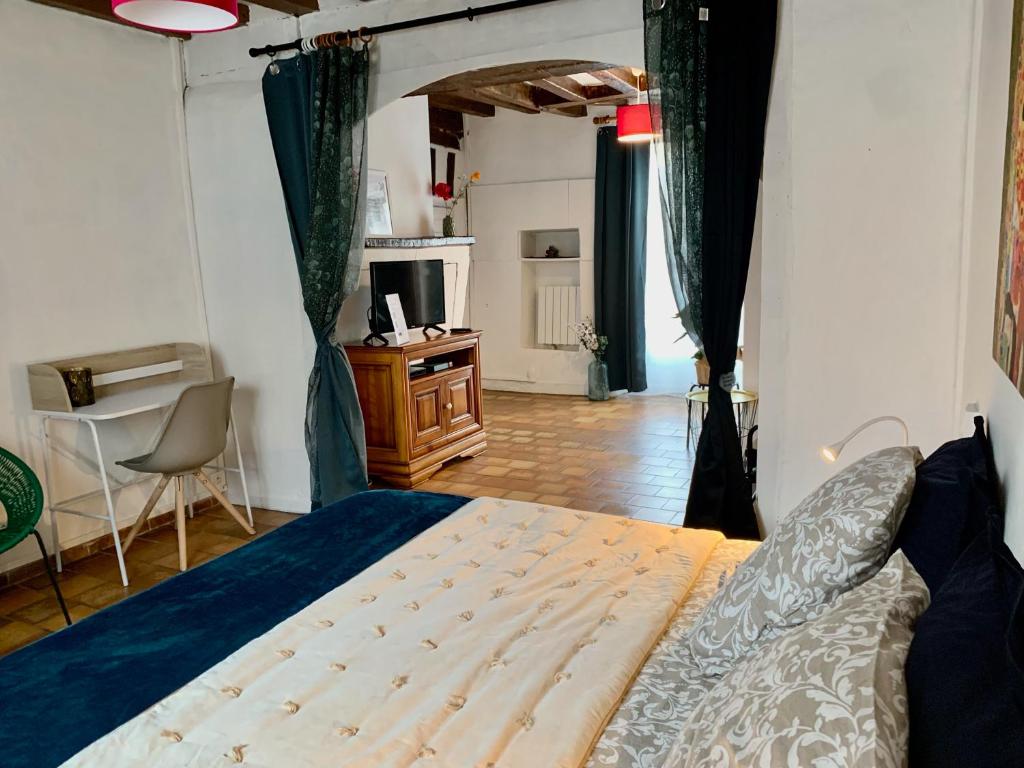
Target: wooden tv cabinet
x: 416, y: 423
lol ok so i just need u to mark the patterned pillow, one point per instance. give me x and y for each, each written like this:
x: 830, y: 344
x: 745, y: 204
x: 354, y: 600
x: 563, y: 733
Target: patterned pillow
x: 836, y: 538
x: 831, y: 692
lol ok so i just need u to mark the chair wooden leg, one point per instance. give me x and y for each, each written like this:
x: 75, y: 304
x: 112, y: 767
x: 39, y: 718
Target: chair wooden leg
x: 154, y: 497
x: 213, y: 489
x: 179, y: 516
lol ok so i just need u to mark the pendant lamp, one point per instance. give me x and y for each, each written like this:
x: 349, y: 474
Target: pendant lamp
x: 634, y: 122
x: 178, y: 15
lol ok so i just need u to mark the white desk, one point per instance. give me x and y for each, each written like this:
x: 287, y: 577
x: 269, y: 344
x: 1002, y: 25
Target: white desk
x: 119, y: 405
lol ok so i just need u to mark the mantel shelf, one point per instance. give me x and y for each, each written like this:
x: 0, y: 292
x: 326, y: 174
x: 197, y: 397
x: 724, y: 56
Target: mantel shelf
x: 417, y: 242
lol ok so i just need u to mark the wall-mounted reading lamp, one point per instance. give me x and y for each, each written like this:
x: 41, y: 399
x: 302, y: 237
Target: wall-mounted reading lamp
x: 830, y: 453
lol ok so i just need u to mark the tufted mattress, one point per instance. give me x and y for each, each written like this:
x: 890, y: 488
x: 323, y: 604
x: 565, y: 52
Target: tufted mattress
x: 506, y: 635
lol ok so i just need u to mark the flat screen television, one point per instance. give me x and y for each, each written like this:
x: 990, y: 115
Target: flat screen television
x: 419, y: 285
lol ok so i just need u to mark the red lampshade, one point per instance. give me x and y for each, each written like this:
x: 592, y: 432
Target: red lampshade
x: 178, y: 15
x: 634, y: 122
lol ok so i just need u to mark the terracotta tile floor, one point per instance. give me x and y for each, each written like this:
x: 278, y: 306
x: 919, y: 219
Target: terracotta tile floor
x: 626, y: 456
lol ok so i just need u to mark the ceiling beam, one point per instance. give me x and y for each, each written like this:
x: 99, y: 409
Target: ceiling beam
x: 515, y: 96
x: 622, y: 80
x: 291, y: 7
x: 565, y: 88
x: 446, y: 128
x: 459, y: 103
x: 509, y: 75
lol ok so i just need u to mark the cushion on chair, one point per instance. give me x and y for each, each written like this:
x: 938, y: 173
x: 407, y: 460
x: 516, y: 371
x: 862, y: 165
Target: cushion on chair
x: 965, y: 671
x: 835, y: 539
x: 830, y: 692
x: 952, y: 497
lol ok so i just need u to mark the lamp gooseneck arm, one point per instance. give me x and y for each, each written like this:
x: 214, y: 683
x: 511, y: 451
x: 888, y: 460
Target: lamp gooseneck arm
x: 906, y: 431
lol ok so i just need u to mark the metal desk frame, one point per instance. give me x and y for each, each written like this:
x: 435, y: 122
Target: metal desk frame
x: 139, y: 401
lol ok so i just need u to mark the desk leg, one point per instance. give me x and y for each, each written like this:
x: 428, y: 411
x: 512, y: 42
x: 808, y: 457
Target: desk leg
x: 110, y: 502
x: 241, y: 467
x: 54, y: 532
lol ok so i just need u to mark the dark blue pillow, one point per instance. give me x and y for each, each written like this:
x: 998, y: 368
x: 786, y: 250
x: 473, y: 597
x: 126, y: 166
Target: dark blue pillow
x: 965, y: 668
x: 952, y: 495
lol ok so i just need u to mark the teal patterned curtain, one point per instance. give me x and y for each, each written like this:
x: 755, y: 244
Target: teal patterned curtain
x: 316, y: 110
x: 676, y: 51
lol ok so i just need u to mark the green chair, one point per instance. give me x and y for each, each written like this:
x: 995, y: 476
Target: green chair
x: 22, y: 497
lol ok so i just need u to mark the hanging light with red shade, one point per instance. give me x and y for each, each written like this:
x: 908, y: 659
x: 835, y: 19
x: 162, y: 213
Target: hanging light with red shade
x: 178, y: 15
x: 634, y: 124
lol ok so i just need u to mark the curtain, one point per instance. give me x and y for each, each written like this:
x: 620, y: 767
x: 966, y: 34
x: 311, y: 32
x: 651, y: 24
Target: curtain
x: 620, y: 258
x: 712, y: 78
x: 316, y: 111
x: 676, y: 53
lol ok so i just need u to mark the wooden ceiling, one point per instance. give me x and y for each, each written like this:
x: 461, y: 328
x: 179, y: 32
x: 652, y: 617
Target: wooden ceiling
x: 100, y: 9
x: 563, y: 87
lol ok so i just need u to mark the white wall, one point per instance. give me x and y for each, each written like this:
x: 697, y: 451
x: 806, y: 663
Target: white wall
x: 258, y: 332
x: 514, y: 147
x: 398, y: 143
x: 862, y: 227
x: 537, y: 172
x: 96, y: 248
x: 983, y: 381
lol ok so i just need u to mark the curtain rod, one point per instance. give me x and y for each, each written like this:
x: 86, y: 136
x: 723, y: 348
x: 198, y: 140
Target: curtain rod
x: 425, y: 21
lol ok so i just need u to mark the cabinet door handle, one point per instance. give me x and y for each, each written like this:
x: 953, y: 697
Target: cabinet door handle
x: 449, y: 406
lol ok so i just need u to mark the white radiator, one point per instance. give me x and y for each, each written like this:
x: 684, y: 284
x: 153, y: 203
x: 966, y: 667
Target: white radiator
x: 558, y: 307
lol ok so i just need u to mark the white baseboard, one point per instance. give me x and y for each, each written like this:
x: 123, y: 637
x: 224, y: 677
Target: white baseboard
x: 535, y: 387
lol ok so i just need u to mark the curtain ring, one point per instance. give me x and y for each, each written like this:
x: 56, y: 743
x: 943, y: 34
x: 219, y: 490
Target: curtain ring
x: 655, y: 7
x: 273, y: 67
x: 367, y: 38
x: 348, y: 38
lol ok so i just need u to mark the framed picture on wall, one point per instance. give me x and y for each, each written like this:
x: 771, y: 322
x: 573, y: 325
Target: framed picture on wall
x: 378, y: 207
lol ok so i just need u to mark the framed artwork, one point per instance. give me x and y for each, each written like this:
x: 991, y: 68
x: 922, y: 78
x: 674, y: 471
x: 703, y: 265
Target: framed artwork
x: 378, y: 207
x: 1008, y: 336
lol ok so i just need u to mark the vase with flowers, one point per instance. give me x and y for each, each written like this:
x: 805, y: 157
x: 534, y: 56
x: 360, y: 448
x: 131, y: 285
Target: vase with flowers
x: 597, y: 372
x: 452, y: 197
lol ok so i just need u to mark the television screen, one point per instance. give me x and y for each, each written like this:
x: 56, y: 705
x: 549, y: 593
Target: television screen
x: 420, y: 286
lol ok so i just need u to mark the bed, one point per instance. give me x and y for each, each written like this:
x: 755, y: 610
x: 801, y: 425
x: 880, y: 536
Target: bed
x: 578, y: 597
x: 414, y: 629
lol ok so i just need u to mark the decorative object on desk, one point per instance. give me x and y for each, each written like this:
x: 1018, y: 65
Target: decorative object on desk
x: 78, y: 380
x: 378, y: 205
x: 398, y: 318
x: 597, y: 373
x: 451, y: 199
x: 830, y: 453
x: 551, y: 252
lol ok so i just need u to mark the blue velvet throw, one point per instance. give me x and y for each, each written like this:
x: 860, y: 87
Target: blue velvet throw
x: 66, y: 690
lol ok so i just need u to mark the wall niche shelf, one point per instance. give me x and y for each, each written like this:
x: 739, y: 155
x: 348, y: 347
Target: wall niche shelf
x: 550, y: 289
x: 548, y: 260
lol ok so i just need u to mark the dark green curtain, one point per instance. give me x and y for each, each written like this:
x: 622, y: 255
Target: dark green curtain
x: 316, y: 110
x: 620, y: 258
x: 710, y: 65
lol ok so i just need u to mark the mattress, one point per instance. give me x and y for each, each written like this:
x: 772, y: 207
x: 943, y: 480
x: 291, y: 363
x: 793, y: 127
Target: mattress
x: 669, y: 686
x: 507, y: 632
